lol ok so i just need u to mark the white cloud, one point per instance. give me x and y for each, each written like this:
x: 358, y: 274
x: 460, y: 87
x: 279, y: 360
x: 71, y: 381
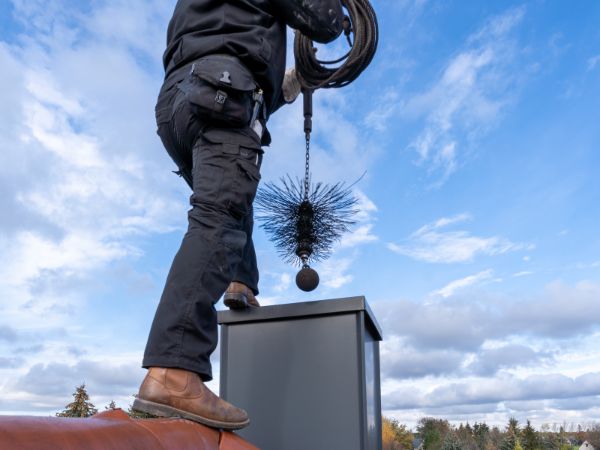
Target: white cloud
x: 387, y: 106
x: 284, y: 283
x: 592, y: 62
x: 79, y: 192
x: 500, y: 389
x: 402, y: 361
x: 361, y: 233
x: 339, y: 149
x: 366, y: 207
x: 472, y: 90
x: 430, y: 244
x: 462, y: 283
x: 333, y: 272
x: 83, y: 178
x: 482, y: 357
x: 490, y: 360
x: 101, y: 175
x: 559, y: 312
x: 85, y: 191
x: 47, y: 387
x: 523, y: 273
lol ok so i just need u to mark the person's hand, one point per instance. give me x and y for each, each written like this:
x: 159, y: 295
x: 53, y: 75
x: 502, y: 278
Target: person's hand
x: 291, y: 85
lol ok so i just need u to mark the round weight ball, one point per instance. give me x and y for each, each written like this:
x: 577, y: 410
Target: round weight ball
x: 307, y: 279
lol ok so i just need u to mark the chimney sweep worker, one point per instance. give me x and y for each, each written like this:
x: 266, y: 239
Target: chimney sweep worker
x: 225, y: 75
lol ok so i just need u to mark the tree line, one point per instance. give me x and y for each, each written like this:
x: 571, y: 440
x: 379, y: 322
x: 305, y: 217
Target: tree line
x: 430, y: 433
x: 82, y: 407
x: 439, y: 434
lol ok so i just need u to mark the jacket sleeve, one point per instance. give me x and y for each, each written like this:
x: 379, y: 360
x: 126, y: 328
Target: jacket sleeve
x: 319, y: 20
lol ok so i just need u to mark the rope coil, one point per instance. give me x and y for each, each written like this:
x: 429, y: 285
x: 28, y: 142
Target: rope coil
x: 314, y: 73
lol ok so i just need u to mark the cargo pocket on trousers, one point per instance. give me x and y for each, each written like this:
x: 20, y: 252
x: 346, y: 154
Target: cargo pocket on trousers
x: 208, y: 174
x: 246, y: 183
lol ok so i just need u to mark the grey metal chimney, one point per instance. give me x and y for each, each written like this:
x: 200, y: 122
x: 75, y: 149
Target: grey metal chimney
x: 307, y: 373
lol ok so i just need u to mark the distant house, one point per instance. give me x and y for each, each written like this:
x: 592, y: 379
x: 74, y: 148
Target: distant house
x: 418, y: 444
x: 586, y: 446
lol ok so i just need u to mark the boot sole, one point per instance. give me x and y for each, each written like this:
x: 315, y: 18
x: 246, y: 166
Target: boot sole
x: 160, y: 410
x: 237, y: 301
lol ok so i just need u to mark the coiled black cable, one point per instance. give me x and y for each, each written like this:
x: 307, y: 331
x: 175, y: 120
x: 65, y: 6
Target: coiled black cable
x: 314, y: 73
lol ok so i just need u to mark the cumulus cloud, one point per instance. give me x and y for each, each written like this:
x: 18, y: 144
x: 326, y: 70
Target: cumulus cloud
x: 436, y: 325
x: 85, y: 178
x: 102, y: 378
x: 402, y: 361
x: 490, y: 361
x: 575, y: 403
x: 89, y: 181
x: 501, y: 389
x: 480, y: 357
x: 82, y: 181
x: 29, y: 349
x: 434, y: 244
x: 10, y: 363
x: 7, y: 334
x: 561, y: 312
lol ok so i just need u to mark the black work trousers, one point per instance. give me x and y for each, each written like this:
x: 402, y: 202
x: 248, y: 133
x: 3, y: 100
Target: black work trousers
x: 223, y: 167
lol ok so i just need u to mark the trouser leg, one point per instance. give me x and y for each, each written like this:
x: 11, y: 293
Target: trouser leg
x: 247, y: 269
x: 184, y: 331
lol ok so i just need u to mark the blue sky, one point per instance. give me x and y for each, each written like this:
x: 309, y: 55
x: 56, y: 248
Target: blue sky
x: 477, y: 244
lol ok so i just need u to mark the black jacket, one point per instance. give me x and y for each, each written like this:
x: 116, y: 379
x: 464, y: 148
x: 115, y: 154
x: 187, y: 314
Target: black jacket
x: 252, y: 30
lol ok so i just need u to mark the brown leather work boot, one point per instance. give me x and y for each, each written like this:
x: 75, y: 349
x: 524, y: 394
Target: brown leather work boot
x: 180, y: 393
x: 239, y: 296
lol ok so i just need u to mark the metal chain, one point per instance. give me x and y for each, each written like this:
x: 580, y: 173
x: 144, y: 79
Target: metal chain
x: 307, y: 167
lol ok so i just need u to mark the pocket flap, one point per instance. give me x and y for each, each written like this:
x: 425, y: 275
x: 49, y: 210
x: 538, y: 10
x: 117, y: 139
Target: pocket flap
x: 242, y: 138
x: 224, y: 71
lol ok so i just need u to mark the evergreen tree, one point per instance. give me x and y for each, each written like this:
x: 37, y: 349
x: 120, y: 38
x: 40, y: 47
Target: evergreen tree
x: 468, y: 428
x: 511, y: 436
x: 111, y: 406
x: 433, y: 432
x: 466, y: 437
x: 481, y: 433
x: 451, y: 442
x: 513, y: 426
x: 530, y: 438
x: 509, y: 442
x: 518, y: 445
x: 80, y: 406
x: 495, y: 439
